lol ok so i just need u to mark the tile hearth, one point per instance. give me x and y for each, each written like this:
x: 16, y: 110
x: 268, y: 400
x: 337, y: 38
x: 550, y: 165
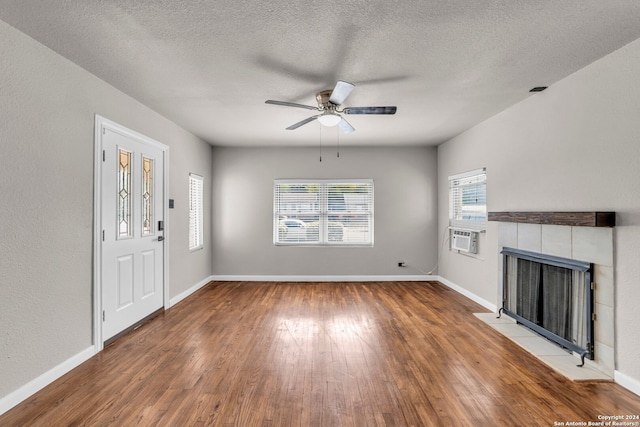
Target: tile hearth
x: 551, y: 354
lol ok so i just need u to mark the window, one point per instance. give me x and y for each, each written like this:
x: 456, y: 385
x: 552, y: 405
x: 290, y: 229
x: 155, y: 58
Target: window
x: 468, y: 200
x: 195, y: 211
x: 323, y: 212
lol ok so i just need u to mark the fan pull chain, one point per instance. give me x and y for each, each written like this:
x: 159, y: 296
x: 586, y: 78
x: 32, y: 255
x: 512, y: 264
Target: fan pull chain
x: 320, y: 144
x: 338, y: 144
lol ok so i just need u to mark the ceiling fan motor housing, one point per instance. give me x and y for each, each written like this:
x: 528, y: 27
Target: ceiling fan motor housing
x: 323, y: 100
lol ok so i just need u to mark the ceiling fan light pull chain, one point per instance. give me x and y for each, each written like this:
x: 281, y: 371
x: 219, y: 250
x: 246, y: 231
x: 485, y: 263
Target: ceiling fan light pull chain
x: 338, y: 143
x: 320, y: 144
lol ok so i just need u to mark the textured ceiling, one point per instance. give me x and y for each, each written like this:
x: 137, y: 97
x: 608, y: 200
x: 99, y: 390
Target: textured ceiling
x: 210, y: 65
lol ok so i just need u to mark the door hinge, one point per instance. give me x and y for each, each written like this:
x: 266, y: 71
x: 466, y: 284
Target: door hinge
x: 104, y: 155
x: 103, y: 235
x: 594, y: 317
x: 593, y: 286
x: 103, y: 315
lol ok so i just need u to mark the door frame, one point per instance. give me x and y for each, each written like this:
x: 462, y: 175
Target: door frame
x: 102, y: 124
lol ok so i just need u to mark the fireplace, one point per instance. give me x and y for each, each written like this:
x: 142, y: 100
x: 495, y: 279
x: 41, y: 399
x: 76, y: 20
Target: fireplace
x: 551, y: 295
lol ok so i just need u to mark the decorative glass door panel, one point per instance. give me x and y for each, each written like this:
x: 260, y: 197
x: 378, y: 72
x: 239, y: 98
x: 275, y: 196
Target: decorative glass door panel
x: 124, y: 227
x: 148, y: 228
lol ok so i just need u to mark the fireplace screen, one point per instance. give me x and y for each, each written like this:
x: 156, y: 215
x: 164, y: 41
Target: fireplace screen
x: 552, y: 296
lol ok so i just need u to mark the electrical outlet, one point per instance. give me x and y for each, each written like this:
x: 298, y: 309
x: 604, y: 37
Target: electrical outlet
x: 401, y: 264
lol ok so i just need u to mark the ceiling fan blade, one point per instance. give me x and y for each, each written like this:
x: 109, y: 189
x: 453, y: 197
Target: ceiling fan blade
x: 340, y: 92
x: 345, y: 126
x: 370, y: 110
x: 302, y: 122
x: 290, y: 104
x: 378, y: 80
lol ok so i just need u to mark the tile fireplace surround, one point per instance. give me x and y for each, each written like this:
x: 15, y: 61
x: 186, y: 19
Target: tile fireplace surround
x: 583, y: 243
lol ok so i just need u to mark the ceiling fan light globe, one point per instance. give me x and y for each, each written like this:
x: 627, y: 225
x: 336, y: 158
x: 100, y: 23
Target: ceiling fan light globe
x: 329, y: 120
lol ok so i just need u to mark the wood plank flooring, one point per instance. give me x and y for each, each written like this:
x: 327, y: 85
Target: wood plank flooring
x: 318, y: 354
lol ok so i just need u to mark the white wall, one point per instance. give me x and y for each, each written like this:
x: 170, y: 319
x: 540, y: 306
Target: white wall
x: 46, y: 203
x: 574, y: 147
x: 404, y: 202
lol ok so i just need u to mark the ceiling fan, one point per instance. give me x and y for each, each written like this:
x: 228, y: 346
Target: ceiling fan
x: 329, y: 102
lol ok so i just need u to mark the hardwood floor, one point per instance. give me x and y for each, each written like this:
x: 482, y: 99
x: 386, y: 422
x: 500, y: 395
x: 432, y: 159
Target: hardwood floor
x: 318, y: 354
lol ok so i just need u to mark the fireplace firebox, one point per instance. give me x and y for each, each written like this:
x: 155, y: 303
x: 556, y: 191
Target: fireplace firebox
x: 552, y: 296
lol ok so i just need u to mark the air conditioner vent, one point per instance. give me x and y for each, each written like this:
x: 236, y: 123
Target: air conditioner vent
x: 464, y: 241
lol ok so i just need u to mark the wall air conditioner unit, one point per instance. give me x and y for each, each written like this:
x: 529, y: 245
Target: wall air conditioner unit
x: 464, y: 241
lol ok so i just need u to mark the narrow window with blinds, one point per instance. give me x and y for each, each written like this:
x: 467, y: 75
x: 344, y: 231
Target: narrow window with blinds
x: 323, y: 212
x: 468, y: 200
x: 196, y: 216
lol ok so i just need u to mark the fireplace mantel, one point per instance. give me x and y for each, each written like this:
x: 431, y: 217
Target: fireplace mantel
x: 576, y: 219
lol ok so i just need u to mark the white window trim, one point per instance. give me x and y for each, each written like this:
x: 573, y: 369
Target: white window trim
x: 196, y: 212
x: 323, y: 212
x: 466, y: 224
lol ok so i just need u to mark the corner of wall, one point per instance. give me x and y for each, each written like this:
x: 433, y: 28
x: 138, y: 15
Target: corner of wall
x: 627, y: 382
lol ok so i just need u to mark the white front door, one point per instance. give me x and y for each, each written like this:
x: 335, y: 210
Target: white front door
x: 132, y: 222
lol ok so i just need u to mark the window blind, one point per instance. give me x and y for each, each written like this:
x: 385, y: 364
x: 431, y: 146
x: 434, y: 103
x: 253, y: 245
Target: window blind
x: 468, y: 200
x: 323, y: 212
x: 196, y: 220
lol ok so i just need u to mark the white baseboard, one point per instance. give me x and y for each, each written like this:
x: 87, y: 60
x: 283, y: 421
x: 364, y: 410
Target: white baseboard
x: 9, y: 401
x: 331, y: 278
x: 483, y: 302
x: 27, y: 390
x: 297, y: 278
x: 173, y: 301
x: 627, y: 382
x: 24, y: 392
